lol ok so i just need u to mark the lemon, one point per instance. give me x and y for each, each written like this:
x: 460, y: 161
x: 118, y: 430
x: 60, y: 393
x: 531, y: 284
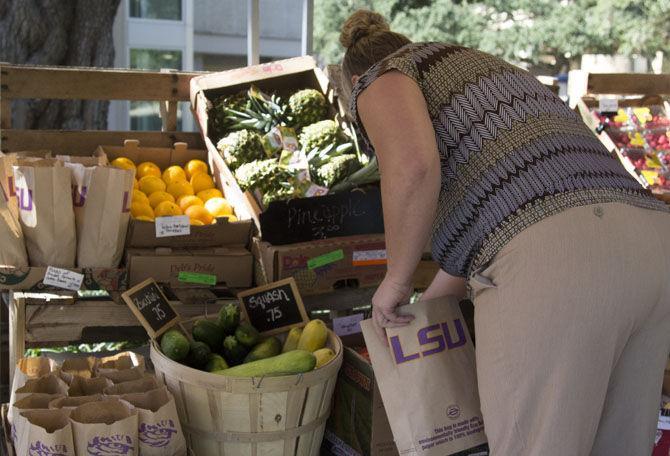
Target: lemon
x: 145, y: 218
x: 209, y: 194
x: 219, y: 207
x: 201, y: 181
x: 136, y: 185
x: 231, y: 218
x: 123, y: 163
x: 180, y: 188
x: 167, y: 209
x: 196, y: 222
x: 158, y: 197
x: 148, y: 169
x: 150, y: 184
x: 187, y: 201
x: 139, y: 197
x: 194, y: 167
x: 173, y: 174
x: 141, y: 210
x: 199, y: 213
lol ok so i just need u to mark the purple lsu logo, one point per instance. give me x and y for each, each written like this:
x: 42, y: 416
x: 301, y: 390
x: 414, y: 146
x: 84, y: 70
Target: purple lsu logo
x: 39, y: 449
x: 110, y: 446
x: 79, y: 195
x: 25, y: 198
x: 441, y: 341
x: 157, y: 435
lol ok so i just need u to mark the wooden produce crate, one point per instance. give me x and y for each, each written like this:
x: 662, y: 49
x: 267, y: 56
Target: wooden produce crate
x: 6, y: 444
x: 356, y: 212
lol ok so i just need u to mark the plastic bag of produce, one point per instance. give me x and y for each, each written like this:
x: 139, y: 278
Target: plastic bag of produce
x: 12, y: 245
x: 45, y: 432
x: 105, y: 428
x: 45, y: 211
x: 159, y: 429
x: 427, y: 379
x: 81, y: 386
x: 101, y: 199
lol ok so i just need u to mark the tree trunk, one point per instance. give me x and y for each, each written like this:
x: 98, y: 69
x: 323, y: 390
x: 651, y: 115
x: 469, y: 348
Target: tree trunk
x: 58, y: 32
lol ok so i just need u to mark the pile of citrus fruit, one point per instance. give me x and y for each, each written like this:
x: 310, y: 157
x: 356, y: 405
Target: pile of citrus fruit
x: 177, y: 190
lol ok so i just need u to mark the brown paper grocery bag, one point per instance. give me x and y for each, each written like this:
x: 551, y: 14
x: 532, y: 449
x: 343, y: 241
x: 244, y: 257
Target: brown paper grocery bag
x: 159, y: 429
x: 43, y: 189
x: 427, y: 379
x: 47, y: 384
x: 30, y: 368
x: 12, y: 244
x: 143, y: 385
x: 123, y: 360
x: 84, y: 366
x: 32, y: 401
x: 122, y: 376
x: 45, y: 433
x: 81, y: 386
x: 7, y: 162
x: 101, y: 198
x: 108, y: 427
x: 71, y: 403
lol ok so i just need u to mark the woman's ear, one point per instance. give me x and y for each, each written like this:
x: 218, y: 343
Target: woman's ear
x: 354, y: 79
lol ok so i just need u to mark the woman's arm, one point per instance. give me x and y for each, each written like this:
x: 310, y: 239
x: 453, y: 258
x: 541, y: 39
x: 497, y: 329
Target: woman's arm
x: 395, y: 116
x: 445, y: 285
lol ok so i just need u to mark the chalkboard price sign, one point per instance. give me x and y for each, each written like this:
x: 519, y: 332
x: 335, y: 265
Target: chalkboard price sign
x: 274, y: 308
x: 151, y: 307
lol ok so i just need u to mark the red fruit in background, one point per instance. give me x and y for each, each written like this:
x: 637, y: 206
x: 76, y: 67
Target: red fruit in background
x: 662, y: 139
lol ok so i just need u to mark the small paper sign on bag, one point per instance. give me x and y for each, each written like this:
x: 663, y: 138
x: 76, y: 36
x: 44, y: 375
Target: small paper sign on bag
x: 151, y: 307
x: 274, y: 308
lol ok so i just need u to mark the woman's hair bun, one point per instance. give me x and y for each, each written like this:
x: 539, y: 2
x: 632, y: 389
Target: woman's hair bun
x: 360, y: 24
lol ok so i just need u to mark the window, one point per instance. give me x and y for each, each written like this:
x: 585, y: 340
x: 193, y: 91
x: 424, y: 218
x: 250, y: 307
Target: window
x: 156, y: 9
x: 145, y: 115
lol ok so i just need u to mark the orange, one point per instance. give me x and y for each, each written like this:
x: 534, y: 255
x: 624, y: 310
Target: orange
x: 158, y: 197
x: 219, y: 207
x: 199, y: 213
x: 173, y: 174
x: 187, y: 201
x: 194, y: 167
x: 167, y: 209
x: 123, y: 163
x: 148, y: 169
x: 139, y: 197
x: 136, y: 185
x: 145, y: 218
x: 180, y: 188
x: 201, y: 181
x: 141, y: 210
x: 150, y: 184
x: 209, y: 194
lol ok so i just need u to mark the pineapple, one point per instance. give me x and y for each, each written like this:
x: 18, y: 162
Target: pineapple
x: 368, y: 174
x: 241, y: 147
x: 218, y: 113
x: 256, y: 174
x: 284, y: 192
x: 307, y: 107
x: 321, y: 134
x: 336, y: 169
x: 261, y: 113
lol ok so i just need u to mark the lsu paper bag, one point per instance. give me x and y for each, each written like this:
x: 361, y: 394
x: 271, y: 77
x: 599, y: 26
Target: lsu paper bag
x: 45, y: 212
x: 159, y: 428
x: 12, y: 245
x: 31, y: 368
x: 101, y: 198
x: 45, y: 433
x: 7, y: 162
x: 105, y: 428
x: 427, y: 379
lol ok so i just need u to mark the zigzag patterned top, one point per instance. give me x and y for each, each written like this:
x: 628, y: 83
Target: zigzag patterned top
x: 511, y: 152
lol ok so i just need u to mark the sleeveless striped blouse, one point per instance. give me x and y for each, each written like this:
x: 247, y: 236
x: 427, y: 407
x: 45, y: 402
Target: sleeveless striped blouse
x: 511, y: 152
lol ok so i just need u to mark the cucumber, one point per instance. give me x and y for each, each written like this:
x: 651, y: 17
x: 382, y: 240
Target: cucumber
x: 233, y: 350
x: 175, y: 345
x: 208, y: 332
x: 291, y: 363
x: 266, y: 349
x: 291, y: 342
x: 314, y: 336
x: 199, y: 355
x: 215, y: 363
x: 247, y: 335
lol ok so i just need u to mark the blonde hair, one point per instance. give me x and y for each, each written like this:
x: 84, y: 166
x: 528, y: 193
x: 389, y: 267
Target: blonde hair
x: 368, y: 39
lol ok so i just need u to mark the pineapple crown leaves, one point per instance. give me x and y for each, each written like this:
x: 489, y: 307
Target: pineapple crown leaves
x: 368, y: 174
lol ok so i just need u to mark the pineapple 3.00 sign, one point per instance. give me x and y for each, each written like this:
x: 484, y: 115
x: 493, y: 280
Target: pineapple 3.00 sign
x: 151, y: 307
x: 275, y: 307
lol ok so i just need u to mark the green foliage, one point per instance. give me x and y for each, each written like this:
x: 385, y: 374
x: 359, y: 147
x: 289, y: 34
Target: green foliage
x: 522, y: 31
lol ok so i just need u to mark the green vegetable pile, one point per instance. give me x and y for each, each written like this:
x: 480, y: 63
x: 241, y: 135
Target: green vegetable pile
x: 280, y: 149
x: 233, y: 348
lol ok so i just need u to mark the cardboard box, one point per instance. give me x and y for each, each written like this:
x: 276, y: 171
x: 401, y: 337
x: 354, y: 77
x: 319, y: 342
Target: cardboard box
x: 30, y: 279
x: 143, y: 234
x: 275, y: 222
x: 357, y: 424
x: 232, y: 266
x: 326, y: 265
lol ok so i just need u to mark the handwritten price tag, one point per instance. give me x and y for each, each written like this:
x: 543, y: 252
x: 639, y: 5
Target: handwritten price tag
x: 350, y: 324
x: 63, y: 278
x: 178, y: 225
x: 608, y: 105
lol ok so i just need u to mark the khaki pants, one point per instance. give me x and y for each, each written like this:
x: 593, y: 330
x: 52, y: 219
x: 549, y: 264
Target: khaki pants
x: 572, y: 320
